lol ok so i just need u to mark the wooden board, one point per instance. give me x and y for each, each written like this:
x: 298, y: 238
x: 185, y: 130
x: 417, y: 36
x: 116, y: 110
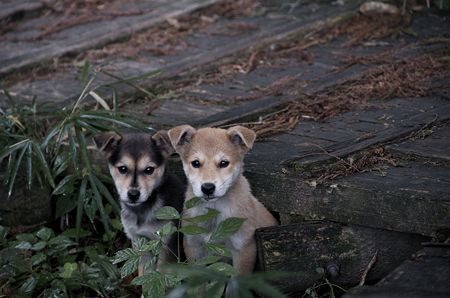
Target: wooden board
x: 9, y: 8
x: 196, y: 55
x: 303, y: 247
x: 433, y: 146
x: 16, y: 56
x: 425, y: 275
x: 413, y: 197
x: 414, y: 123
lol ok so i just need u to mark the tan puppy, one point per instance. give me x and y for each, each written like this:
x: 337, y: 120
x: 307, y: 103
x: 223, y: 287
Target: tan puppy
x: 213, y: 163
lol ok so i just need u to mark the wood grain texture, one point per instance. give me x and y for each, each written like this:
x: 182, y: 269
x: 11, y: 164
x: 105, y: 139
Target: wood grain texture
x: 425, y: 275
x: 303, y: 247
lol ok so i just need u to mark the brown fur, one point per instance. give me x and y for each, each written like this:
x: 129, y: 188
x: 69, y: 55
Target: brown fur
x: 232, y: 195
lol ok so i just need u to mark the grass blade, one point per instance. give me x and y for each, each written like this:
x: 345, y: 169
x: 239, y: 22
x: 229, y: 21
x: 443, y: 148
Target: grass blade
x: 98, y: 199
x: 100, y: 100
x: 29, y: 167
x: 43, y: 163
x: 73, y: 147
x: 80, y: 203
x: 13, y: 175
x: 105, y: 192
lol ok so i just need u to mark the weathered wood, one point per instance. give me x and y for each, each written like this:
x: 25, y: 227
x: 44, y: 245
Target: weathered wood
x: 303, y: 247
x: 191, y: 58
x: 10, y: 8
x: 414, y: 198
x: 426, y: 275
x: 93, y: 36
x: 433, y: 146
x: 409, y: 126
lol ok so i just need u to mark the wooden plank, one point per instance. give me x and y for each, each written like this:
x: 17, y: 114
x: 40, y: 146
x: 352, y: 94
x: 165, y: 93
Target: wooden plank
x: 194, y: 58
x: 413, y: 198
x: 101, y: 34
x: 426, y: 275
x: 433, y: 146
x: 421, y: 120
x: 304, y: 247
x: 10, y: 8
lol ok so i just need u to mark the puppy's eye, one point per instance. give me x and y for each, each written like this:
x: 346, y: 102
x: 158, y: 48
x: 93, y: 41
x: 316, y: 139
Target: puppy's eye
x: 122, y: 170
x: 149, y: 170
x: 223, y: 163
x: 195, y: 164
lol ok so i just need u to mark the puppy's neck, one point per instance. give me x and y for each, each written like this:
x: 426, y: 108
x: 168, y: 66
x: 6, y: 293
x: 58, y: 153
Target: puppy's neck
x: 239, y: 187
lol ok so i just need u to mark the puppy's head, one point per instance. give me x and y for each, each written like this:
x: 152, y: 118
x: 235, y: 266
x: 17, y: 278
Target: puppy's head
x: 136, y: 163
x: 212, y: 157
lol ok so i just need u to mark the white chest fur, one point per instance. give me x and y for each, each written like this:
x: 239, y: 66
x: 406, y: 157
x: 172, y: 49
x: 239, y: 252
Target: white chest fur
x: 146, y: 226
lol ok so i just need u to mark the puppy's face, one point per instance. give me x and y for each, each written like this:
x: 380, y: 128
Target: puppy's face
x: 136, y: 163
x: 212, y: 158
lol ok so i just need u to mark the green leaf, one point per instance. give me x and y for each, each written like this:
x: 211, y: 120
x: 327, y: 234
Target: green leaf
x: 65, y: 186
x: 193, y: 230
x: 192, y: 202
x: 80, y: 204
x: 3, y: 232
x: 227, y: 228
x: 29, y: 285
x: 218, y: 249
x: 13, y: 171
x: 38, y: 258
x: 212, y: 213
x: 208, y: 260
x: 44, y: 233
x: 44, y: 166
x: 61, y: 243
x: 39, y: 245
x: 117, y: 224
x: 64, y: 204
x: 84, y: 75
x: 152, y: 246
x: 69, y: 269
x: 130, y: 266
x: 28, y: 237
x: 62, y: 162
x: 167, y: 230
x: 23, y: 245
x: 166, y: 213
x: 223, y: 268
x: 124, y: 255
x: 215, y: 290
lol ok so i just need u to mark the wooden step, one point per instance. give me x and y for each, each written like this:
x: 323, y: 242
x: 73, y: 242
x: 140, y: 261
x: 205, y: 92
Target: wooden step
x: 11, y: 8
x: 343, y: 252
x: 411, y: 197
x: 427, y: 274
x: 203, y: 48
x: 15, y: 55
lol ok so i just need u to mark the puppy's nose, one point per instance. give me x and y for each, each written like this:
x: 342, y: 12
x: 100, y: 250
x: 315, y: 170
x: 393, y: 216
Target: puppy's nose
x: 133, y: 195
x: 208, y: 188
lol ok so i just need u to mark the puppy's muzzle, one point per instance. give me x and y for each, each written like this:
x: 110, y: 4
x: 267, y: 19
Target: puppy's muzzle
x: 133, y: 195
x: 208, y: 188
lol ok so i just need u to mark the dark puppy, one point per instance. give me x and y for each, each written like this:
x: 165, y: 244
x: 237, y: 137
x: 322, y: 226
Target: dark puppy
x: 137, y: 163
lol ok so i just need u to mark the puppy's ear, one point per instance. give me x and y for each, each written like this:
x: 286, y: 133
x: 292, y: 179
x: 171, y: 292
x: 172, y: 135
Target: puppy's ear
x: 107, y: 141
x: 242, y: 136
x: 180, y: 136
x: 162, y: 141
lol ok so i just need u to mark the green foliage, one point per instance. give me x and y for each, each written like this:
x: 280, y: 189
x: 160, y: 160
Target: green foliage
x: 207, y: 277
x: 43, y: 144
x: 45, y: 264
